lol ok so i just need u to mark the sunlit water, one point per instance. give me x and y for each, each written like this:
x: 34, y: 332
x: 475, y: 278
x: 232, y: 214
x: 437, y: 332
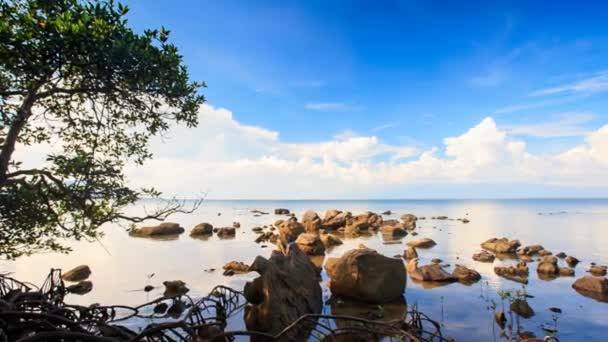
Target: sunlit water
x: 121, y: 264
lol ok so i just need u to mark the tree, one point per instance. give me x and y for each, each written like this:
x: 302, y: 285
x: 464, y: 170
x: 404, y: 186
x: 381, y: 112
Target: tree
x: 72, y: 73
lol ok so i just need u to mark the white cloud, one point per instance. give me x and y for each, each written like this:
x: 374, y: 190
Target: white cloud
x: 327, y: 106
x: 568, y: 125
x: 597, y: 83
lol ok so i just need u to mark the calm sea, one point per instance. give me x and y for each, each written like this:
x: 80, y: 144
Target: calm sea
x: 121, y: 264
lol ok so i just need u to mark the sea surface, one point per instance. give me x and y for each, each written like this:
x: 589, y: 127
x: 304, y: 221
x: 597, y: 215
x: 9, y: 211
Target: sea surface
x: 121, y: 264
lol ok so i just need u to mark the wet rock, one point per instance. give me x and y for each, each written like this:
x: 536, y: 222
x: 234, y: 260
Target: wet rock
x: 311, y: 221
x: 484, y: 256
x: 522, y: 308
x: 393, y: 232
x: 78, y: 273
x: 566, y: 272
x: 572, y: 261
x: 561, y: 255
x: 441, y: 218
x: 388, y: 212
x: 329, y: 240
x: 464, y: 220
x: 235, y: 267
x: 544, y: 252
x: 436, y: 261
x: 226, y: 232
x: 465, y: 274
x: 281, y: 211
x: 174, y: 288
x: 257, y: 229
x: 530, y: 250
x: 598, y: 271
x: 148, y: 288
x: 259, y: 212
x: 268, y: 236
x: 518, y: 273
x: 335, y: 219
x: 409, y: 221
x: 176, y: 309
x: 362, y: 223
x: 503, y: 245
x: 289, y: 231
x: 277, y: 223
x: 500, y: 319
x: 428, y: 272
x: 285, y: 278
x: 548, y: 265
x: 410, y: 253
x: 593, y: 287
x: 422, y: 243
x: 163, y: 229
x: 202, y: 229
x: 80, y: 288
x: 310, y: 244
x: 365, y: 275
x: 526, y: 258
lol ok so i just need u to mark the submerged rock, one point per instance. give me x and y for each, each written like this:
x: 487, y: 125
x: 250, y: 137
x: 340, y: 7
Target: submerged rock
x: 202, y: 229
x: 393, y: 231
x: 310, y: 244
x: 422, y: 243
x: 503, y: 245
x: 522, y: 308
x: 432, y: 272
x: 78, y: 273
x: 365, y: 275
x: 329, y: 240
x: 566, y: 272
x: 163, y: 229
x: 530, y: 250
x: 484, y: 256
x: 286, y: 289
x: 548, y: 265
x: 518, y: 273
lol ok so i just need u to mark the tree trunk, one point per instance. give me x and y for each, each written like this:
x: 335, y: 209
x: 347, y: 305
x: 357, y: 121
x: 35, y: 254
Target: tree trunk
x: 23, y: 114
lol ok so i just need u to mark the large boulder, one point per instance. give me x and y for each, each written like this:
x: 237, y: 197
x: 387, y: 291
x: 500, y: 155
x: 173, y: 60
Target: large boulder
x: 286, y: 289
x: 594, y: 287
x: 393, y: 232
x: 310, y: 244
x: 335, y: 219
x: 329, y: 240
x: 548, y: 266
x: 202, y: 229
x: 530, y: 250
x: 78, y: 273
x: 503, y: 245
x: 465, y: 274
x: 365, y: 275
x: 311, y: 221
x: 289, y: 231
x: 226, y: 232
x: 484, y: 256
x: 433, y: 272
x: 422, y: 243
x: 163, y: 229
x: 409, y: 221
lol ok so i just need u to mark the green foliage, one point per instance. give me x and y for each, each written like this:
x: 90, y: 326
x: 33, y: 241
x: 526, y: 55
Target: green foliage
x: 74, y: 75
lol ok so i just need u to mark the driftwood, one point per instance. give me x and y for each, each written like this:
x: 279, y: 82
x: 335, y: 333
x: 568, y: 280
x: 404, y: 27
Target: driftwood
x: 29, y: 314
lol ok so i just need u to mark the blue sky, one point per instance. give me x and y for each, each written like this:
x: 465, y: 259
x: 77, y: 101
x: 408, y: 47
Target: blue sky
x: 408, y: 73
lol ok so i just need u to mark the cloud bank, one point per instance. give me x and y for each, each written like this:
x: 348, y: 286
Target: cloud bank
x: 232, y: 160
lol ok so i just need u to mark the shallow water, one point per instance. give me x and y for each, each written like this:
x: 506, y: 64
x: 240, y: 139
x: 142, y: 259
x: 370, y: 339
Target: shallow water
x: 121, y: 264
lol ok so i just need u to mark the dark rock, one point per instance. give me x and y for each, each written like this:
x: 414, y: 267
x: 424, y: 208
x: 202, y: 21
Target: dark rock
x: 388, y: 212
x: 80, y: 288
x: 78, y: 273
x: 281, y: 211
x: 163, y: 229
x: 522, y: 308
x: 428, y: 272
x: 202, y: 229
x: 561, y: 255
x: 236, y: 224
x: 257, y: 229
x: 365, y: 275
x: 393, y: 232
x: 289, y: 231
x: 226, y: 232
x: 175, y: 288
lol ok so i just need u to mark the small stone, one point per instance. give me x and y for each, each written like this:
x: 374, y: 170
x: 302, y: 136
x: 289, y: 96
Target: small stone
x: 77, y: 274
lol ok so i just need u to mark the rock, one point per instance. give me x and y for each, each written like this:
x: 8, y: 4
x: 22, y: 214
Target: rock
x: 410, y: 253
x: 517, y: 273
x: 526, y: 258
x: 202, y: 229
x: 281, y: 211
x: 566, y: 272
x: 466, y: 275
x: 572, y: 261
x: 286, y: 289
x: 365, y: 275
x: 388, y: 212
x: 236, y: 224
x: 422, y: 243
x: 500, y: 319
x: 441, y: 218
x: 598, y: 271
x: 561, y: 255
x: 330, y: 240
x: 436, y: 261
x: 335, y: 219
x: 503, y: 245
x: 484, y: 256
x: 522, y: 308
x: 160, y: 308
x: 310, y: 244
x: 548, y: 265
x: 277, y: 223
x: 257, y: 229
x: 428, y: 272
x: 544, y: 252
x: 175, y: 288
x: 530, y: 250
x: 80, y: 288
x: 393, y: 232
x: 465, y: 220
x: 163, y: 229
x: 234, y: 267
x: 289, y: 231
x: 268, y: 236
x: 362, y: 222
x: 311, y: 221
x: 409, y: 221
x: 226, y: 232
x: 591, y: 286
x: 78, y: 273
x: 148, y: 288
